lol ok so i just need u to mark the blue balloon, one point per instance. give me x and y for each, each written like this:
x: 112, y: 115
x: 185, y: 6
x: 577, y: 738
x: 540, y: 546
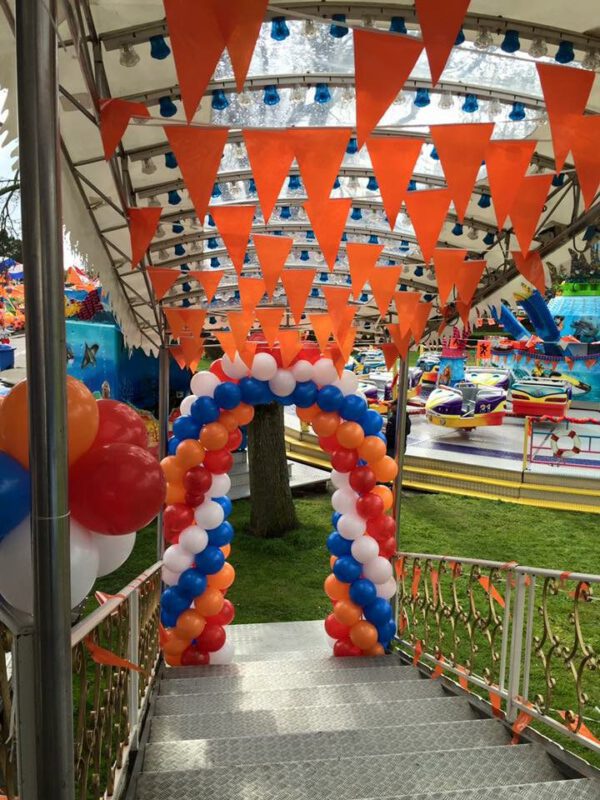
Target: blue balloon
x: 347, y: 569
x: 378, y: 611
x: 329, y: 398
x: 192, y: 583
x: 210, y: 560
x: 205, y: 410
x: 173, y: 445
x: 386, y: 633
x: 335, y: 518
x: 353, y: 408
x: 372, y: 423
x: 288, y: 400
x: 228, y: 395
x: 251, y: 391
x: 383, y: 437
x: 305, y: 394
x: 168, y: 619
x: 225, y: 504
x: 186, y: 428
x: 363, y: 592
x: 337, y: 545
x: 15, y: 494
x: 174, y: 601
x: 219, y: 537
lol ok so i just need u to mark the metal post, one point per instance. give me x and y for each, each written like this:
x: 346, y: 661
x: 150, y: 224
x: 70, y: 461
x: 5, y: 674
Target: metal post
x: 399, y: 452
x: 163, y: 428
x: 133, y: 699
x: 39, y: 145
x: 516, y: 648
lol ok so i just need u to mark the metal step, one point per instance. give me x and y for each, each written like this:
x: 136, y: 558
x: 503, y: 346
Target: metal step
x: 305, y: 720
x: 323, y: 696
x: 203, y: 753
x: 312, y: 653
x: 357, y: 777
x: 579, y: 789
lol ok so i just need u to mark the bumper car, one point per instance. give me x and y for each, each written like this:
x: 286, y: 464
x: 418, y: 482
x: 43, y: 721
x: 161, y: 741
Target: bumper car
x: 488, y: 376
x: 414, y: 382
x: 466, y: 406
x: 537, y: 397
x: 429, y: 364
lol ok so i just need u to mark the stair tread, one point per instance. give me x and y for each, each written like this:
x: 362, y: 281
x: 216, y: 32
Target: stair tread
x: 416, y: 738
x: 578, y: 789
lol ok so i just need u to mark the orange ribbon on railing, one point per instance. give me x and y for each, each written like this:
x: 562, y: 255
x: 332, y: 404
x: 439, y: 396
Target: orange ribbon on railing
x: 491, y: 589
x: 519, y: 726
x: 463, y: 679
x: 399, y: 567
x: 435, y: 579
x: 496, y: 704
x: 583, y: 729
x: 416, y: 581
x: 418, y: 652
x: 402, y: 621
x: 439, y: 668
x: 108, y: 659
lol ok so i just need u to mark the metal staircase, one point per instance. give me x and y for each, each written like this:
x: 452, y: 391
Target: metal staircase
x: 290, y: 723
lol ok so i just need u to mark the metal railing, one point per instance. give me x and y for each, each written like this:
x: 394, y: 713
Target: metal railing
x: 561, y: 442
x: 529, y: 638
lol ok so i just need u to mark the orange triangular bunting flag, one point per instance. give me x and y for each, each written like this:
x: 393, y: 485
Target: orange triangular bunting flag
x: 531, y: 268
x: 240, y: 22
x: 176, y: 325
x: 584, y: 147
x: 440, y: 24
x: 361, y: 259
x: 420, y: 319
x: 198, y: 152
x: 527, y: 208
x: 337, y: 298
x: 390, y: 353
x: 192, y: 351
x: 566, y: 93
x: 272, y: 252
x: 227, y: 342
x: 319, y: 153
x: 406, y: 305
x: 464, y: 309
x: 382, y: 63
x: 467, y: 279
x: 328, y: 221
x: 240, y: 323
x: 197, y: 42
x: 270, y: 320
x: 461, y: 149
x: 383, y: 282
x: 247, y: 352
x: 427, y: 210
x: 270, y: 154
x: 342, y: 322
x: 234, y: 224
x: 252, y: 291
x: 290, y: 345
x: 401, y: 342
x: 447, y: 263
x: 114, y: 119
x: 143, y: 223
x: 297, y: 284
x: 321, y: 325
x: 162, y: 279
x: 177, y: 353
x: 393, y: 162
x: 346, y: 346
x: 193, y: 319
x: 506, y: 163
x: 209, y: 280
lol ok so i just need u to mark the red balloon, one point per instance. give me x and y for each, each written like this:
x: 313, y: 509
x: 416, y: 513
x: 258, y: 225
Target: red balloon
x: 336, y: 629
x: 344, y: 648
x: 235, y: 440
x: 217, y: 369
x: 369, y: 506
x: 382, y: 527
x: 116, y: 489
x: 192, y: 499
x: 192, y: 657
x: 344, y: 460
x: 225, y: 615
x: 328, y: 443
x: 387, y: 547
x: 118, y: 422
x: 218, y: 461
x: 362, y: 479
x: 177, y: 517
x: 212, y: 638
x: 197, y: 480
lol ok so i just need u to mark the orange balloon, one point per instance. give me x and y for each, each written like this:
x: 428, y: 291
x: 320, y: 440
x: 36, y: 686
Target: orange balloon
x: 82, y: 421
x: 336, y: 590
x: 175, y: 493
x: 228, y: 419
x: 190, y: 624
x: 226, y: 550
x: 308, y: 414
x: 372, y: 449
x: 210, y: 602
x: 363, y: 634
x: 190, y: 453
x: 172, y: 469
x: 385, y: 469
x: 174, y: 645
x: 214, y: 436
x: 172, y: 660
x: 386, y: 495
x: 332, y: 560
x: 347, y: 612
x: 376, y: 650
x: 223, y: 578
x: 350, y: 435
x: 243, y: 413
x: 326, y: 423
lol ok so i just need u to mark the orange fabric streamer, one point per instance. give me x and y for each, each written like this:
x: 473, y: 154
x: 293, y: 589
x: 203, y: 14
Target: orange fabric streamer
x: 361, y: 260
x: 234, y: 224
x: 297, y: 284
x: 440, y: 24
x: 209, y: 280
x: 383, y: 282
x: 176, y: 325
x: 322, y: 327
x: 519, y: 726
x: 193, y: 319
x: 271, y: 154
x: 270, y: 320
x: 115, y: 115
x: 496, y: 704
x: 531, y: 268
x: 393, y: 161
x: 438, y: 670
x: 319, y: 153
x: 414, y: 591
x: 463, y: 676
x: 240, y: 22
x: 435, y: 581
x: 252, y: 291
x: 506, y: 163
x: 526, y: 210
x: 583, y: 729
x: 272, y: 252
x: 584, y: 147
x: 447, y: 264
x: 108, y: 659
x: 162, y: 279
x: 491, y: 589
x: 328, y: 221
x: 290, y: 345
x: 427, y: 210
x: 418, y: 652
x: 143, y: 223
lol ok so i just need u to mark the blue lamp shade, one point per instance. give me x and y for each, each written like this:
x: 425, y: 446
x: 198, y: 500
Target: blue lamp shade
x: 185, y: 303
x: 422, y: 99
x: 373, y: 239
x: 356, y: 214
x: 338, y: 31
x: 177, y: 227
x: 403, y: 287
x: 279, y: 29
x: 471, y: 104
x: 251, y: 186
x: 236, y: 295
x: 348, y: 277
x: 294, y: 183
x: 304, y: 255
x: 397, y: 25
x: 489, y: 239
x: 511, y: 42
x: 457, y: 230
x: 558, y: 180
x: 174, y: 197
x: 517, y: 113
x: 336, y: 183
x: 184, y: 267
x: 352, y: 146
x: 247, y: 258
x: 186, y: 287
x: 212, y: 320
x: 418, y: 272
x: 364, y: 298
x: 210, y: 221
x: 310, y: 235
x: 412, y: 186
x: 170, y: 161
x: 219, y: 100
x: 565, y: 54
x: 404, y: 245
x: 212, y: 243
x: 324, y: 276
x: 460, y: 38
x: 372, y: 184
x: 277, y: 233
x: 285, y: 213
x: 179, y: 250
x: 434, y: 154
x: 159, y: 49
x: 391, y: 262
x: 216, y: 192
x: 271, y: 95
x: 214, y: 262
x: 314, y: 292
x: 322, y: 94
x: 428, y: 298
x: 485, y: 201
x: 166, y: 107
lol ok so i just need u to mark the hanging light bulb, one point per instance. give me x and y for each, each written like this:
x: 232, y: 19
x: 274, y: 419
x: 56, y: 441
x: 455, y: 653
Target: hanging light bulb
x: 235, y: 190
x: 353, y: 184
x: 298, y: 94
x: 148, y: 166
x: 195, y: 223
x: 196, y: 246
x: 368, y: 22
x: 472, y: 234
x: 402, y: 98
x: 484, y: 40
x: 591, y: 60
x: 160, y: 232
x: 162, y: 255
x: 310, y: 29
x: 347, y: 94
x: 154, y: 201
x: 128, y: 56
x: 538, y: 48
x: 446, y: 101
x: 245, y: 99
x: 494, y: 108
x: 301, y: 214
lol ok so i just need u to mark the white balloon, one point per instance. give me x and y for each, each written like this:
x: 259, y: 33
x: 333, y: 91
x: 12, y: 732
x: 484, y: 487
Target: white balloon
x: 177, y: 559
x: 193, y: 539
x: 348, y: 383
x: 364, y: 549
x: 324, y: 371
x: 224, y: 655
x: 220, y: 486
x: 186, y: 405
x: 264, y: 367
x: 351, y: 526
x: 378, y: 570
x: 386, y: 590
x: 341, y: 480
x: 113, y: 551
x: 204, y: 383
x: 16, y: 567
x: 234, y: 369
x: 283, y: 383
x: 344, y: 501
x: 209, y: 515
x: 303, y: 370
x: 168, y: 577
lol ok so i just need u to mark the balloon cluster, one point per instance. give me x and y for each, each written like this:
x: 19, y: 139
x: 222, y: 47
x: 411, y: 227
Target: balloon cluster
x: 115, y: 487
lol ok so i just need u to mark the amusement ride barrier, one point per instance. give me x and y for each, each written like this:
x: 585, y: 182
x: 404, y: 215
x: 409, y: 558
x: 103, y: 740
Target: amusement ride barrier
x: 553, y: 450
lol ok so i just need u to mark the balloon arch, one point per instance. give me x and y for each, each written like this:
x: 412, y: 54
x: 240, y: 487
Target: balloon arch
x: 194, y: 609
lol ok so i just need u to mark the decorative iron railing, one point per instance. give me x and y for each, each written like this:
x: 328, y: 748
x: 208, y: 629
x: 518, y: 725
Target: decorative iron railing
x: 529, y: 638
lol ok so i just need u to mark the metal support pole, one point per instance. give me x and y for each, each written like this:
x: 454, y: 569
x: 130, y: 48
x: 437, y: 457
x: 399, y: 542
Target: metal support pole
x: 516, y: 648
x: 133, y: 698
x: 399, y: 451
x: 163, y: 428
x: 39, y: 145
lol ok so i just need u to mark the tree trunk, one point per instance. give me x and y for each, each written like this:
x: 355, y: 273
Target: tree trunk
x: 272, y: 507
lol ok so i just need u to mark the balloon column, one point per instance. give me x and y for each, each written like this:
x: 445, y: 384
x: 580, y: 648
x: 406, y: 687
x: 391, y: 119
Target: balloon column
x: 194, y: 609
x: 115, y: 486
